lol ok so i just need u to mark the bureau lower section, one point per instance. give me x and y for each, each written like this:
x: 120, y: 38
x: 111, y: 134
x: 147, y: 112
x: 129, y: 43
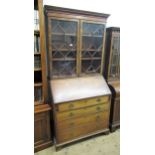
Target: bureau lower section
x: 77, y: 119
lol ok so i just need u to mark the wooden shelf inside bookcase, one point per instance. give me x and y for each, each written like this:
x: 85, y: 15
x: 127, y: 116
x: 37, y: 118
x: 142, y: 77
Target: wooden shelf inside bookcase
x: 63, y: 59
x: 37, y: 32
x: 37, y: 69
x: 37, y: 53
x: 92, y: 50
x: 38, y: 102
x: 38, y: 84
x: 100, y: 36
x: 64, y: 34
x: 97, y: 58
x: 41, y: 108
x: 64, y: 50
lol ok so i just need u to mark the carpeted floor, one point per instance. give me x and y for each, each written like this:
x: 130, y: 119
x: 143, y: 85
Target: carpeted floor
x: 99, y: 145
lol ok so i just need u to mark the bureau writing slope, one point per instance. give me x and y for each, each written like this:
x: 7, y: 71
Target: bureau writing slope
x: 112, y: 73
x: 75, y: 54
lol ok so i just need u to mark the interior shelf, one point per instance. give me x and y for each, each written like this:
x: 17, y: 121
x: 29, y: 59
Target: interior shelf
x: 38, y: 84
x: 37, y: 53
x: 97, y: 58
x: 65, y: 34
x: 98, y: 50
x: 64, y: 59
x: 65, y: 50
x: 90, y: 35
x: 36, y: 32
x: 37, y: 69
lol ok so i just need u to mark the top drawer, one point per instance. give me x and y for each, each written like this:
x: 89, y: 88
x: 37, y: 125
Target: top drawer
x: 81, y: 103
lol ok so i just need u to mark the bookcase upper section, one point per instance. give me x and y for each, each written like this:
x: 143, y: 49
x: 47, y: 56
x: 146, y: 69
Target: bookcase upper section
x: 75, y: 42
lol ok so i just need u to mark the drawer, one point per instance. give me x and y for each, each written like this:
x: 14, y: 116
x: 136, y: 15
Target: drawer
x: 61, y: 116
x: 73, y: 133
x: 81, y: 103
x: 91, y: 118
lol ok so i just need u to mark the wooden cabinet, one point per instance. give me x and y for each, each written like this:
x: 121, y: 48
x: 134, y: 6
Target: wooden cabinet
x: 42, y: 130
x: 75, y: 52
x: 112, y: 72
x: 80, y: 108
x: 75, y: 42
x: 42, y: 125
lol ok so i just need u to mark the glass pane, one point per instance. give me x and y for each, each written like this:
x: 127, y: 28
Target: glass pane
x: 115, y: 60
x: 64, y: 27
x: 91, y: 66
x: 63, y: 68
x: 37, y: 61
x: 64, y: 46
x: 93, y: 29
x: 92, y: 44
x: 37, y: 93
x: 64, y: 42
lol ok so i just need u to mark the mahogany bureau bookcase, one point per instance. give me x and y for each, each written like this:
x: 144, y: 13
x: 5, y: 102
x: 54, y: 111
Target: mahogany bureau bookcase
x: 112, y: 73
x: 42, y: 130
x: 80, y: 96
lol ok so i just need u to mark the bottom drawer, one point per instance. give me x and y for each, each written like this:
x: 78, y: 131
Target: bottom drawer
x: 80, y: 131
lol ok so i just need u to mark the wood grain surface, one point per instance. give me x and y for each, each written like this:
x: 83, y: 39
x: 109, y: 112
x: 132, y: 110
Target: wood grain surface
x: 64, y: 90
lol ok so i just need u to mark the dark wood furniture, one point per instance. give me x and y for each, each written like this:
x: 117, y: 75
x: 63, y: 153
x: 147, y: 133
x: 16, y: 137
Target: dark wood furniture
x: 81, y: 109
x: 42, y: 130
x: 75, y: 54
x: 112, y: 73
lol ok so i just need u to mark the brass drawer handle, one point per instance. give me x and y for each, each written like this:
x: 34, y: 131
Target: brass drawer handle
x: 71, y: 114
x: 71, y: 106
x: 98, y: 100
x: 98, y: 108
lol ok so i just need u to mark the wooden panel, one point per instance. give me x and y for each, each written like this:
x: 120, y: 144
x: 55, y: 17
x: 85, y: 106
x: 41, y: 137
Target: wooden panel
x: 81, y: 103
x: 42, y: 108
x: 116, y: 113
x: 50, y: 10
x: 71, y: 123
x: 64, y: 90
x: 41, y: 128
x: 61, y: 116
x: 81, y: 131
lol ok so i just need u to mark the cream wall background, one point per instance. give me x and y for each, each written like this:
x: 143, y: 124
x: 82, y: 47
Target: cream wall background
x: 102, y: 6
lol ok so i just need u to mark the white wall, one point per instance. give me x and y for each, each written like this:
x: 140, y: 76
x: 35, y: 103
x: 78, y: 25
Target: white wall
x: 102, y: 6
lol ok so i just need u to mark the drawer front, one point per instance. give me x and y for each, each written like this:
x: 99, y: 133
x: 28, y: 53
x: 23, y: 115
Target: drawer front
x: 73, y: 133
x: 81, y: 103
x: 61, y: 116
x: 74, y: 123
